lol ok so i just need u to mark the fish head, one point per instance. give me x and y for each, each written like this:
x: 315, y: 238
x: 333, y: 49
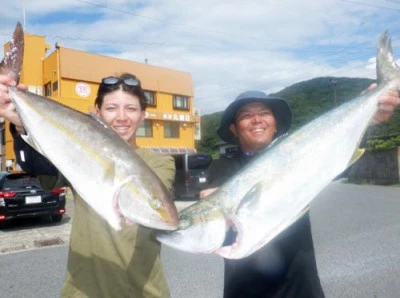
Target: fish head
x: 245, y: 223
x: 264, y: 212
x: 151, y: 206
x: 246, y: 239
x: 202, y: 228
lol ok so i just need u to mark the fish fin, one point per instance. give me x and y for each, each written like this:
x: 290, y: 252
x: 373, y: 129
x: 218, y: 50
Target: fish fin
x: 27, y: 138
x: 278, y: 140
x: 356, y: 156
x: 386, y: 68
x: 98, y: 120
x: 109, y: 171
x: 252, y: 195
x: 12, y: 62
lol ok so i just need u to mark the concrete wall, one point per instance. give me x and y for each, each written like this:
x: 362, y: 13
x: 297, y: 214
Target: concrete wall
x: 377, y: 167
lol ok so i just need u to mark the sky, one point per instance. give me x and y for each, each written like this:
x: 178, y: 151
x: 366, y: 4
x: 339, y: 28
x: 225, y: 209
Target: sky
x: 228, y: 46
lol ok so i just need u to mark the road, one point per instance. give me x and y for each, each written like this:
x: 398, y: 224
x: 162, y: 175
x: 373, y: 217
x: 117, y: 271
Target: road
x: 355, y: 228
x: 356, y: 232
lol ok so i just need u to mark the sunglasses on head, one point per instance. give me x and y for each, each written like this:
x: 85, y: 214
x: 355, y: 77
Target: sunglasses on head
x: 115, y: 81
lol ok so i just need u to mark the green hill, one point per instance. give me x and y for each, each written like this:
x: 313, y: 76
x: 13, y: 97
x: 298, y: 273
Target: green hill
x: 310, y: 99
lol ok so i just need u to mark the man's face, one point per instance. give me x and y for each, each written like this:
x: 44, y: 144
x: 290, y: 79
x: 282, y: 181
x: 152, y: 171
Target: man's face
x: 255, y: 126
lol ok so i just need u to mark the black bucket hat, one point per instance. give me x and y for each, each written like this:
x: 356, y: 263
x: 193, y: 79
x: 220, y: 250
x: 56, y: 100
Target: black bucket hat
x: 280, y: 108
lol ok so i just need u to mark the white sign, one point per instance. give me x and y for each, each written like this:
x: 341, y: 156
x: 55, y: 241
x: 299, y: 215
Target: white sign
x: 35, y: 89
x: 150, y: 115
x: 176, y: 117
x: 33, y: 200
x: 32, y: 89
x: 82, y: 89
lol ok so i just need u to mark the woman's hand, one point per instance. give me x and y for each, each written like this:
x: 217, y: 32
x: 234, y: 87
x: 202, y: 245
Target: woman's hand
x: 7, y: 108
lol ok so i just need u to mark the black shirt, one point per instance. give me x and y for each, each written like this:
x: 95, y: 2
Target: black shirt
x: 285, y: 267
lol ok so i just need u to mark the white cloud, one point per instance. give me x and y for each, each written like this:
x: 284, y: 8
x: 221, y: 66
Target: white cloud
x: 227, y: 46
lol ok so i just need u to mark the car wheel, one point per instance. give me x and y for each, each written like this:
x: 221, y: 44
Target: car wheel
x: 3, y: 224
x: 56, y: 217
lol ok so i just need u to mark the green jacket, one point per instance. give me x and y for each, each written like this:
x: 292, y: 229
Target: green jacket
x: 105, y: 263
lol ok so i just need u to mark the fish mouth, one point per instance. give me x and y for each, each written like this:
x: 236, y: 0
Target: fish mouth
x: 160, y: 219
x: 201, y: 229
x: 232, y: 238
x: 142, y: 208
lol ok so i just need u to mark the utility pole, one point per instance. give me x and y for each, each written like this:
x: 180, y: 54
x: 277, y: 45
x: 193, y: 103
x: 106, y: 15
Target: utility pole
x: 23, y: 12
x: 333, y: 84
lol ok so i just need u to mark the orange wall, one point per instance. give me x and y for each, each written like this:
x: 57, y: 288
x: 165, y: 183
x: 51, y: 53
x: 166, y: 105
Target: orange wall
x: 71, y: 67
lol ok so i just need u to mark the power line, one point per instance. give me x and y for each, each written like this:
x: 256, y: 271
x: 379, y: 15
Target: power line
x: 165, y: 21
x: 326, y: 55
x: 324, y: 52
x: 372, y: 5
x: 395, y: 1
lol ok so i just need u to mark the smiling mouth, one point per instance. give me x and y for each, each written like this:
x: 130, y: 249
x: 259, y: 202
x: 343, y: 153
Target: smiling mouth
x: 121, y: 129
x: 258, y: 130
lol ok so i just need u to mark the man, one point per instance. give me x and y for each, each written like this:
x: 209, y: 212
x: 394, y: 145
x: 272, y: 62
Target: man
x: 285, y: 267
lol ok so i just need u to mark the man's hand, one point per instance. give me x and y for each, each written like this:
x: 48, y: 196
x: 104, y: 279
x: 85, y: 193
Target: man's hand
x: 388, y: 102
x: 206, y: 192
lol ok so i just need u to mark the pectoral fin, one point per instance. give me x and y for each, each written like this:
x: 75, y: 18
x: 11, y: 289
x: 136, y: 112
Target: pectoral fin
x: 27, y: 138
x: 356, y: 156
x: 252, y: 195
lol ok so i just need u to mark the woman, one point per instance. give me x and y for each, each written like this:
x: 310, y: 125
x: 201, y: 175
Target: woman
x: 101, y: 261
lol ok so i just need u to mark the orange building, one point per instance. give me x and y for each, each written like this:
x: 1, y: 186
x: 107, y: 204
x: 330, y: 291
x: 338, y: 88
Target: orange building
x: 72, y: 77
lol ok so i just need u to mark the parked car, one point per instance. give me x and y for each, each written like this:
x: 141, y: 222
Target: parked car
x: 191, y: 174
x: 22, y: 196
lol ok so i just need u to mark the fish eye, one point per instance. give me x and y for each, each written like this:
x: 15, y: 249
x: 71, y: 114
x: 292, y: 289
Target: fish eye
x: 184, y: 223
x: 155, y: 204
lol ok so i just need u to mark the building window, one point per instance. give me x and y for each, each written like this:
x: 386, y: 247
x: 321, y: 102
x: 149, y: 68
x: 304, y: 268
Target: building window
x: 171, y: 130
x: 151, y: 98
x: 145, y: 129
x: 181, y: 102
x: 55, y: 86
x: 47, y: 89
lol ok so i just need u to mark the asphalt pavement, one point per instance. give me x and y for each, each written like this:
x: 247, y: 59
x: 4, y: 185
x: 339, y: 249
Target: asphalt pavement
x: 356, y: 231
x: 35, y: 233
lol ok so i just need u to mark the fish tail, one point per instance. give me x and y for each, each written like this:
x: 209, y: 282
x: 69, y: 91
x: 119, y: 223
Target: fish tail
x: 386, y: 68
x: 11, y: 64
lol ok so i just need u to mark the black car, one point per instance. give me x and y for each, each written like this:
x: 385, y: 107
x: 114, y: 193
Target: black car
x: 191, y: 174
x: 22, y: 196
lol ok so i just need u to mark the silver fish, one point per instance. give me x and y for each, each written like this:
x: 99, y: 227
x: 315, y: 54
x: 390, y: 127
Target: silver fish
x: 99, y: 164
x: 274, y: 190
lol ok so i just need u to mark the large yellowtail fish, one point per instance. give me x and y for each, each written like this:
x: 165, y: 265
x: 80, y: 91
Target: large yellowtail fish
x: 274, y: 190
x: 100, y: 165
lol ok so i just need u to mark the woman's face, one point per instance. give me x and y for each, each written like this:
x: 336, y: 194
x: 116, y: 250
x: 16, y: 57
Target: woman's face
x: 122, y: 112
